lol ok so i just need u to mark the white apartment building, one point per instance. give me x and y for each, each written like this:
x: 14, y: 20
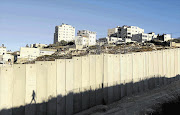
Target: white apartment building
x: 6, y: 58
x: 85, y: 37
x: 79, y: 40
x: 3, y: 50
x: 30, y: 53
x: 129, y: 31
x: 64, y: 32
x: 124, y: 31
x: 142, y: 37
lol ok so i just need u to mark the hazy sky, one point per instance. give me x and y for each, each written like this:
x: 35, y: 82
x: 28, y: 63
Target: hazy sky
x: 33, y: 21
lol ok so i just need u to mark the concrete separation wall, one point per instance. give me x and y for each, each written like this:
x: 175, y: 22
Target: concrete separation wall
x: 69, y: 86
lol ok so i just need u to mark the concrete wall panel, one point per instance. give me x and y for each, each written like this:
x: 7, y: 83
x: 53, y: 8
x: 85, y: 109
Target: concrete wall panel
x: 51, y: 87
x: 116, y: 77
x: 6, y: 90
x: 41, y: 84
x: 123, y: 74
x: 110, y: 78
x: 99, y: 79
x: 135, y: 73
x: 140, y: 59
x: 19, y: 89
x: 77, y: 97
x: 61, y: 85
x: 85, y: 82
x: 165, y: 67
x: 30, y: 88
x: 69, y: 86
x: 92, y: 76
x: 105, y: 79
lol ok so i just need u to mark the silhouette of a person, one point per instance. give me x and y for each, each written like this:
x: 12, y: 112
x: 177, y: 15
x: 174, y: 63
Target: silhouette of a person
x: 33, y: 97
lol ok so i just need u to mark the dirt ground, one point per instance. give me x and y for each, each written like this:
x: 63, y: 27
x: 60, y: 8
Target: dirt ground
x: 140, y: 104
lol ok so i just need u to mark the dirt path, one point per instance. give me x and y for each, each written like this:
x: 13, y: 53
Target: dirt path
x: 139, y: 104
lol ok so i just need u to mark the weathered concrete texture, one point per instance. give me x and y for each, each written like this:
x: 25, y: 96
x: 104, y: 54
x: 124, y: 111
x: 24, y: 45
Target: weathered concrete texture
x: 129, y: 82
x: 41, y: 84
x: 105, y: 80
x: 6, y: 90
x: 77, y: 97
x: 30, y: 109
x: 92, y: 77
x: 61, y: 85
x: 160, y: 64
x: 69, y: 86
x: 140, y: 58
x: 99, y: 79
x: 165, y: 66
x: 156, y: 70
x: 135, y: 73
x: 123, y: 74
x: 151, y: 81
x: 110, y: 78
x: 19, y: 89
x: 85, y: 82
x: 116, y: 77
x: 146, y: 65
x: 51, y: 87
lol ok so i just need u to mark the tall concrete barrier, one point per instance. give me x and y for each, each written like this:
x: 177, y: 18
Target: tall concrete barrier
x: 92, y: 77
x: 116, y: 77
x: 69, y: 86
x: 41, y: 90
x: 135, y: 73
x: 30, y: 98
x: 110, y: 73
x: 123, y: 74
x: 6, y: 90
x: 99, y: 79
x: 61, y: 86
x: 146, y: 65
x: 85, y: 82
x: 51, y: 88
x: 105, y: 79
x: 77, y: 96
x: 19, y: 89
x: 160, y: 66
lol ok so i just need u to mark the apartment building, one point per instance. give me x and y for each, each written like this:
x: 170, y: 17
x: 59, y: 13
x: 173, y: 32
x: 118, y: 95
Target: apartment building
x: 3, y: 50
x: 115, y: 32
x: 164, y: 37
x: 129, y: 31
x: 85, y: 37
x: 124, y: 31
x: 64, y: 32
x: 142, y: 37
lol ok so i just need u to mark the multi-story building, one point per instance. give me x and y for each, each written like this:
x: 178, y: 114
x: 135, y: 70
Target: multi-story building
x: 142, y: 37
x: 124, y: 31
x: 85, y: 37
x: 64, y: 32
x: 164, y: 37
x: 129, y: 31
x: 3, y: 50
x: 114, y: 32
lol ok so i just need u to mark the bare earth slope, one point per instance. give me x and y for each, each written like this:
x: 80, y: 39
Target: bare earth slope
x: 139, y: 104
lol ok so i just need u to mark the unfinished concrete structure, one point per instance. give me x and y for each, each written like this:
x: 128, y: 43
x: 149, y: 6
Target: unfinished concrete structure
x: 68, y: 86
